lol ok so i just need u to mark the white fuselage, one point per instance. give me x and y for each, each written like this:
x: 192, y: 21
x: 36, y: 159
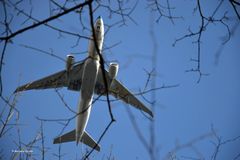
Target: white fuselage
x: 90, y: 72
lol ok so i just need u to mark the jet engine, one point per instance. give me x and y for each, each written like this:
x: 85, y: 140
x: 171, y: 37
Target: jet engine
x: 69, y: 62
x: 113, y: 71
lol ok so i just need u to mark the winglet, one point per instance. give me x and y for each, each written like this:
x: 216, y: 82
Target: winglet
x: 151, y: 114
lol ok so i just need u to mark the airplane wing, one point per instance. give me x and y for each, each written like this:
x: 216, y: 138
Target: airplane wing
x: 70, y: 136
x: 72, y: 80
x: 119, y: 91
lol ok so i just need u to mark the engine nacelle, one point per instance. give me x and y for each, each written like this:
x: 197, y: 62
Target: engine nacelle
x: 69, y: 62
x: 113, y: 71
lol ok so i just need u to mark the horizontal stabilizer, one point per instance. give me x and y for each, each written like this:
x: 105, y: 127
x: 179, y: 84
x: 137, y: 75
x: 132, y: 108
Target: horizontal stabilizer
x: 70, y: 136
x: 88, y: 140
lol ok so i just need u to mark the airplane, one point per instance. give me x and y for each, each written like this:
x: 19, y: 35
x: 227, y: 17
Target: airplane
x: 87, y: 77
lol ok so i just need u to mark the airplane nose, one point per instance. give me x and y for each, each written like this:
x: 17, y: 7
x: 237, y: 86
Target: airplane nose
x: 99, y: 20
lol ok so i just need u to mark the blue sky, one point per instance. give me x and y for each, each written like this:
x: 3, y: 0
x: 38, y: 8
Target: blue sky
x: 182, y: 113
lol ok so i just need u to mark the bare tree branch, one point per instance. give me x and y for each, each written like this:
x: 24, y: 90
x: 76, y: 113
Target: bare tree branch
x: 234, y: 5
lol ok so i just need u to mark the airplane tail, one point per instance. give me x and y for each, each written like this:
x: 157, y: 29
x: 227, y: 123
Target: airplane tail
x: 70, y: 136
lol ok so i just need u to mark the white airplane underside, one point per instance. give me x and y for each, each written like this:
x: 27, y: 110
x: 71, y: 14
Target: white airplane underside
x: 87, y: 77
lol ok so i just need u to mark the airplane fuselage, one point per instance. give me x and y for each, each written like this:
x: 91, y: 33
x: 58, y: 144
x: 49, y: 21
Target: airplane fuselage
x: 90, y: 72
